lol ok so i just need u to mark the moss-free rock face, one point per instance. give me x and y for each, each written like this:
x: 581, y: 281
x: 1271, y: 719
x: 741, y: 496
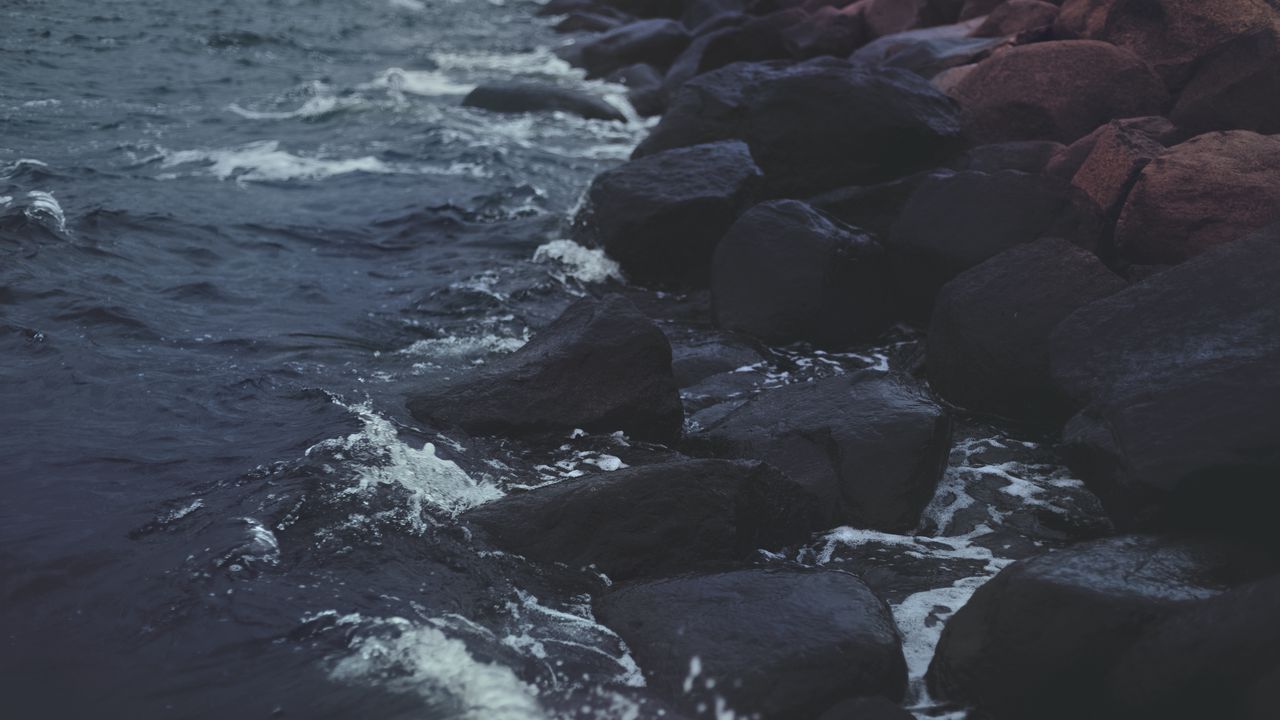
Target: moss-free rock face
x: 1056, y: 91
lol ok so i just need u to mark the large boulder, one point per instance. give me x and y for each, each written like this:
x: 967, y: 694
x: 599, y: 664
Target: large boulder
x: 815, y: 125
x: 928, y: 51
x: 1117, y: 155
x: 1056, y: 91
x: 988, y: 342
x: 786, y: 272
x: 600, y: 366
x: 955, y: 221
x: 1177, y: 379
x: 1171, y: 35
x: 1237, y: 86
x: 1202, y: 662
x: 1205, y: 192
x: 1018, y: 16
x: 826, y: 31
x: 661, y: 216
x: 656, y: 42
x: 870, y: 447
x: 521, y: 98
x: 1068, y: 161
x: 729, y: 40
x: 888, y: 17
x: 652, y: 520
x: 874, y: 208
x: 772, y: 643
x: 1038, y: 640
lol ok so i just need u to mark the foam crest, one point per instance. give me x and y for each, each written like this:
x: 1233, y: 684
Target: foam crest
x: 586, y: 265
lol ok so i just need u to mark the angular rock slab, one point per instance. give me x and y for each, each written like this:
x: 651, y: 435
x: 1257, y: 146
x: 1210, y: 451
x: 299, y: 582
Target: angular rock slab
x: 653, y: 520
x: 782, y: 643
x: 601, y: 366
x: 870, y: 447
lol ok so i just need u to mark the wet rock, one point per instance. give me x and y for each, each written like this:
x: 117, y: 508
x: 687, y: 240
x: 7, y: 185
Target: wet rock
x: 696, y: 360
x: 928, y: 52
x: 697, y: 12
x: 652, y: 520
x: 522, y: 98
x: 1028, y: 156
x: 1056, y: 91
x: 1038, y: 640
x: 661, y: 216
x: 988, y: 342
x: 1067, y: 162
x: 1235, y: 87
x: 777, y: 642
x: 656, y: 42
x: 1017, y: 16
x: 887, y: 17
x: 871, y: 448
x: 815, y: 125
x: 955, y: 221
x: 600, y: 366
x: 644, y: 88
x: 866, y: 708
x: 1171, y: 35
x: 786, y: 272
x: 589, y: 22
x: 978, y: 8
x: 1178, y: 382
x: 874, y: 208
x: 1118, y: 155
x: 1205, y: 192
x: 1203, y: 662
x: 752, y: 40
x: 828, y: 31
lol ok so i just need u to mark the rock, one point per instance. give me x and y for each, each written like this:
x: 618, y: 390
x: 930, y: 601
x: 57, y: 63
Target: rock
x: 979, y: 8
x: 693, y: 362
x: 988, y: 342
x: 656, y: 42
x: 1066, y: 163
x: 644, y: 83
x: 1205, y: 192
x: 827, y: 31
x: 565, y: 7
x: 652, y: 520
x: 1171, y: 35
x: 754, y: 39
x: 1056, y: 91
x: 871, y: 448
x: 874, y: 208
x: 588, y: 22
x: 955, y: 221
x: 1203, y: 662
x: 1038, y: 640
x: 648, y: 8
x: 521, y: 98
x: 661, y: 216
x: 1111, y: 168
x: 1028, y: 156
x: 815, y: 125
x: 697, y: 12
x: 1017, y: 16
x: 929, y: 51
x: 1237, y: 86
x: 866, y: 708
x: 786, y: 272
x: 887, y: 17
x: 782, y: 643
x: 601, y: 366
x: 1177, y: 380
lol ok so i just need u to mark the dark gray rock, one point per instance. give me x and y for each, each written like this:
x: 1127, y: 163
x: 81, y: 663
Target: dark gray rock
x: 652, y: 520
x: 661, y: 216
x: 870, y: 447
x: 786, y: 272
x: 600, y: 366
x: 777, y: 642
x: 874, y: 208
x: 656, y: 42
x: 522, y: 98
x: 866, y: 708
x: 988, y: 342
x: 1028, y: 156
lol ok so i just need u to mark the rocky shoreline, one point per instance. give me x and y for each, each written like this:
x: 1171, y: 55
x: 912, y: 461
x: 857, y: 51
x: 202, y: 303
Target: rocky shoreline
x: 1067, y: 209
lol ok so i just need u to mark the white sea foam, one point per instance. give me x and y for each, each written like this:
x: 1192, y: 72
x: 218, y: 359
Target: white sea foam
x: 428, y: 83
x: 315, y: 107
x: 588, y: 265
x: 455, y: 347
x: 43, y: 205
x: 264, y: 161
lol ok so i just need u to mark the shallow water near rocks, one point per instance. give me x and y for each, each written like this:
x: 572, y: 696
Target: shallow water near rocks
x: 233, y: 238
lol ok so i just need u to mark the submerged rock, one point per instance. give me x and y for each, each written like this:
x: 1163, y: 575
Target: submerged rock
x: 780, y: 643
x: 600, y: 366
x: 786, y: 272
x: 661, y: 216
x: 871, y: 448
x: 653, y: 520
x: 988, y: 342
x: 520, y: 98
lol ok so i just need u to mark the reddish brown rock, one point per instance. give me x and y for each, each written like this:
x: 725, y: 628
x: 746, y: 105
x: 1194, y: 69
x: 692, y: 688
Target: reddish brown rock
x: 1067, y: 162
x: 886, y: 17
x: 1016, y: 16
x: 1109, y: 171
x: 1235, y: 88
x: 978, y: 8
x: 1056, y: 91
x: 1171, y: 35
x: 1205, y: 192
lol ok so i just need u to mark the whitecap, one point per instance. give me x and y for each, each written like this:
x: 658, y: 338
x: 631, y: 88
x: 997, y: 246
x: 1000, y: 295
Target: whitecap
x: 588, y: 265
x: 264, y: 161
x: 428, y: 83
x: 43, y: 205
x: 315, y: 107
x: 450, y: 347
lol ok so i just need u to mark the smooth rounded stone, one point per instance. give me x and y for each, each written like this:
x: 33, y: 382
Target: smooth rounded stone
x: 827, y: 31
x: 695, y: 361
x: 522, y: 98
x: 928, y: 52
x: 656, y: 42
x: 889, y: 17
x: 697, y: 12
x: 786, y: 272
x: 866, y: 708
x: 1202, y: 662
x: 775, y: 643
x: 1028, y: 156
x: 601, y: 366
x: 1112, y: 167
x: 988, y: 341
x: 1017, y: 16
x: 1177, y: 379
x: 661, y: 216
x: 652, y: 520
x: 1171, y: 35
x: 1058, y: 90
x: 978, y: 8
x: 1039, y: 639
x: 872, y: 448
x: 750, y: 39
x: 644, y: 83
x: 1236, y: 87
x: 1067, y: 162
x: 1207, y: 191
x: 874, y: 208
x: 954, y: 221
